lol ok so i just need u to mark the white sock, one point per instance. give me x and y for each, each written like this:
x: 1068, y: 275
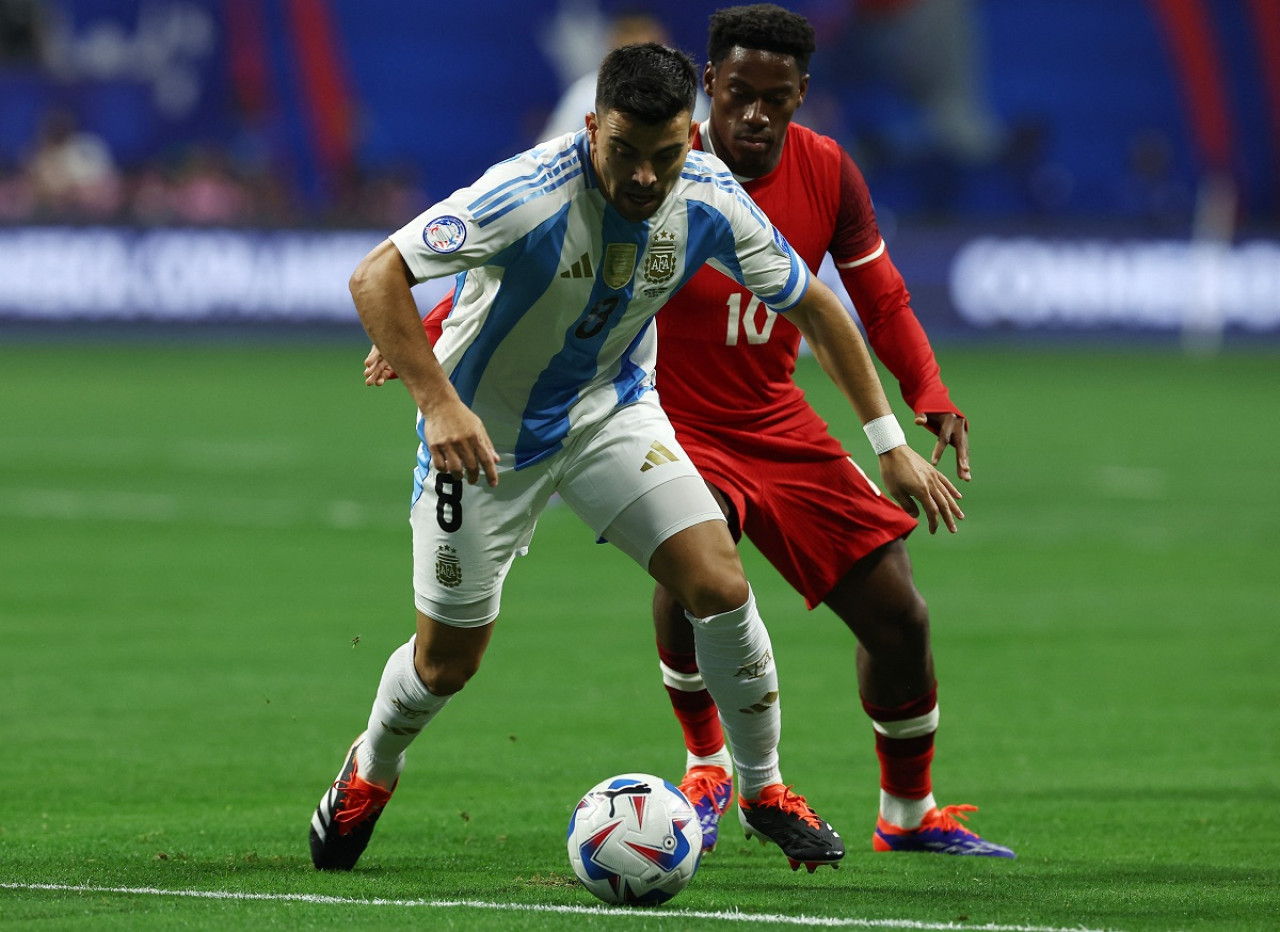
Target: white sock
x: 736, y: 660
x: 905, y: 813
x: 403, y: 707
x: 720, y: 758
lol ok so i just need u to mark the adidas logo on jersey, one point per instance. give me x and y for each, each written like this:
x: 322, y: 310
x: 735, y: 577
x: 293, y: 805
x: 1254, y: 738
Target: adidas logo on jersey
x: 657, y: 455
x: 580, y: 269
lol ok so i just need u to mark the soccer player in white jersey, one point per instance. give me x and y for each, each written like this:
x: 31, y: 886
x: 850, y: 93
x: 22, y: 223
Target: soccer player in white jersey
x: 542, y: 382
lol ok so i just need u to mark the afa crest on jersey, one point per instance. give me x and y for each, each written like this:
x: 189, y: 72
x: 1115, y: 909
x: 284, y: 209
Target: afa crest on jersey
x: 660, y: 262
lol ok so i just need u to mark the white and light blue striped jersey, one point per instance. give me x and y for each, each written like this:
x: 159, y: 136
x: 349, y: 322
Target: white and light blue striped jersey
x: 552, y: 323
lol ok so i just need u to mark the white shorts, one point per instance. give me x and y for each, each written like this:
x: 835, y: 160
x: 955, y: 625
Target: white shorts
x: 627, y: 478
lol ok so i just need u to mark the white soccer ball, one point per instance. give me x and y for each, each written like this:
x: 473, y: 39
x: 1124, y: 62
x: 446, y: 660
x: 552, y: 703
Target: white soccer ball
x: 634, y: 840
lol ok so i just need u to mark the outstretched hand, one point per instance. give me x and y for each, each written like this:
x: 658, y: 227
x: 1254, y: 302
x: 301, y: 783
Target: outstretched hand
x: 376, y: 369
x: 952, y: 431
x: 910, y: 479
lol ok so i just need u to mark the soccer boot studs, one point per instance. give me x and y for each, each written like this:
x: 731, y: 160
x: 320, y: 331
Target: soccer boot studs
x: 784, y: 818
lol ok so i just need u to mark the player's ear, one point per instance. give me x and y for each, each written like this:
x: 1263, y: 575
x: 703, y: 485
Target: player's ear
x: 709, y: 80
x: 593, y: 126
x: 804, y: 88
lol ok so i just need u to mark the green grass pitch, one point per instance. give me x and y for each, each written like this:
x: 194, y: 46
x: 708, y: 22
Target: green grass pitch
x: 204, y: 562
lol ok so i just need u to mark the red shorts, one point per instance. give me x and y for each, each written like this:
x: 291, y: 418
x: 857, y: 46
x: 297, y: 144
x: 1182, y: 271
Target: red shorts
x: 799, y: 498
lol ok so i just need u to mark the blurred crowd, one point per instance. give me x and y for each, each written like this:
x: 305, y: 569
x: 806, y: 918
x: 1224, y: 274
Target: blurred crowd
x: 70, y: 175
x: 900, y: 83
x: 67, y: 173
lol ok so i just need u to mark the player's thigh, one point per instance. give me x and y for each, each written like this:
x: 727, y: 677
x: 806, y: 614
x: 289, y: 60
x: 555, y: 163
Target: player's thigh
x: 814, y: 521
x: 700, y: 567
x: 465, y: 538
x: 878, y: 600
x: 633, y: 485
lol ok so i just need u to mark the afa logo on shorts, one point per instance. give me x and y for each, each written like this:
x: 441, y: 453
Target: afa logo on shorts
x: 444, y: 234
x: 448, y: 567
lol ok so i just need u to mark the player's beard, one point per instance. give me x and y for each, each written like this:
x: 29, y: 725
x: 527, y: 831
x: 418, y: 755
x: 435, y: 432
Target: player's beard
x: 637, y: 204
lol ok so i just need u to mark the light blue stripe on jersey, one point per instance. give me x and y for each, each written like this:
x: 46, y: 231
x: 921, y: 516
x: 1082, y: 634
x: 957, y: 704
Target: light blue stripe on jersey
x: 544, y: 170
x: 783, y: 300
x: 545, y: 422
x: 512, y: 201
x: 516, y: 191
x: 707, y: 228
x: 725, y: 182
x: 423, y: 469
x: 538, y: 256
x: 538, y: 267
x: 633, y: 381
x: 707, y: 225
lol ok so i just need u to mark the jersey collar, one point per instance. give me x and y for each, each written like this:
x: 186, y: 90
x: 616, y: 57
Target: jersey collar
x: 584, y: 156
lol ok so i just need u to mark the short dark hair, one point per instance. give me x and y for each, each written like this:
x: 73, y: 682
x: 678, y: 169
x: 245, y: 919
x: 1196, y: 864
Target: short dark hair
x: 763, y: 26
x: 650, y: 82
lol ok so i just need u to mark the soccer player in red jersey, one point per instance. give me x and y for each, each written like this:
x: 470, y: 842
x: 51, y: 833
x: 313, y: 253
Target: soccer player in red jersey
x: 725, y: 366
x: 725, y: 369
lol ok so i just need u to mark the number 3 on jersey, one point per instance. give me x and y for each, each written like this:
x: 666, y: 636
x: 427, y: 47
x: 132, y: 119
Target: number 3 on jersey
x: 747, y: 323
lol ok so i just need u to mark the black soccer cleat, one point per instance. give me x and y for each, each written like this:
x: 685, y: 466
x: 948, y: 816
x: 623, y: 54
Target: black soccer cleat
x: 345, y: 818
x: 782, y: 817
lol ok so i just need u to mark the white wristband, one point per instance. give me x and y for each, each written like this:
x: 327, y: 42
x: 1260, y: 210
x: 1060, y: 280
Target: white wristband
x: 884, y: 433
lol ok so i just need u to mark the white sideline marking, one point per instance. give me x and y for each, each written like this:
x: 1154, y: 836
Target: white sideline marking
x: 618, y: 912
x: 166, y: 508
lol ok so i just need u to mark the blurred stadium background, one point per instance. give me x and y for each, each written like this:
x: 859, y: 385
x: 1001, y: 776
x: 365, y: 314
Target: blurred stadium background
x: 203, y: 555
x: 1101, y: 168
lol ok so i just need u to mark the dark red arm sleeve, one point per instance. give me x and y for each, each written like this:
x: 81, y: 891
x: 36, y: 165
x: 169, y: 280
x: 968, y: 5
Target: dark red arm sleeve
x: 880, y: 296
x: 882, y: 301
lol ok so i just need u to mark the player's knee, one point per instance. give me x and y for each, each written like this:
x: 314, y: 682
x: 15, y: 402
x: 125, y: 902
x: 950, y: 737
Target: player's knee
x: 902, y: 630
x: 913, y: 623
x: 670, y: 624
x: 715, y: 594
x: 700, y: 569
x: 445, y: 675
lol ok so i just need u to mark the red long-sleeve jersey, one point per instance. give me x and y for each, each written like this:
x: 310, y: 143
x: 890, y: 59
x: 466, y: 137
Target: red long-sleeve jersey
x: 723, y: 357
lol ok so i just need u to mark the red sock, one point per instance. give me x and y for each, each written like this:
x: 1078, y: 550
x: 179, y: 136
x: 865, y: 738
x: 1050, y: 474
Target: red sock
x: 694, y: 708
x: 905, y: 758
